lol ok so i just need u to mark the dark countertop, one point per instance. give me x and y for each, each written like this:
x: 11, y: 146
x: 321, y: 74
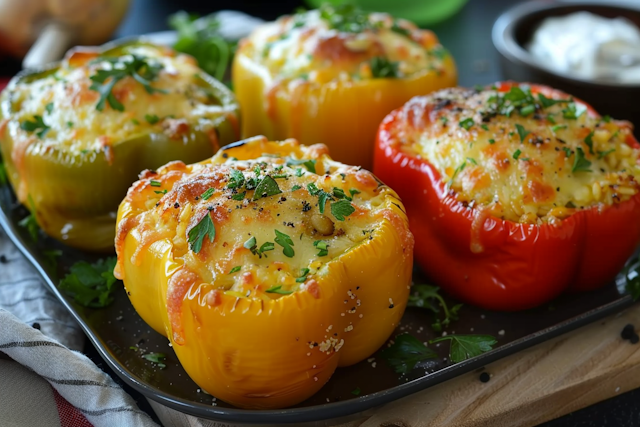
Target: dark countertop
x: 468, y: 36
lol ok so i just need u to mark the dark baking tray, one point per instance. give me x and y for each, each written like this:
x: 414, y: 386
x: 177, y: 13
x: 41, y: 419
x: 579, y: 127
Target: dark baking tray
x: 113, y: 330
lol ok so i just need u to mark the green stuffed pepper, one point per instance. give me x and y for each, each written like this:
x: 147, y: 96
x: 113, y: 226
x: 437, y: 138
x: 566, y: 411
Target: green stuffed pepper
x: 75, y: 135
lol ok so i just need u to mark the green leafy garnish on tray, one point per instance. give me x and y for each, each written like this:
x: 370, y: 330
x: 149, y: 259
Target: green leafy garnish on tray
x: 464, y: 347
x: 427, y: 296
x: 91, y: 285
x: 406, y: 352
x: 632, y: 279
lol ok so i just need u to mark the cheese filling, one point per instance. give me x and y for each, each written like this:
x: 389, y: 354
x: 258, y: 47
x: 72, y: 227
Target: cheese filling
x: 277, y: 221
x: 346, y: 44
x: 524, y: 156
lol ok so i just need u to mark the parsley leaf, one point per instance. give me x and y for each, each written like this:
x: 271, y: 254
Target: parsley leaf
x: 303, y: 275
x: 516, y: 154
x: 466, y: 123
x: 204, y: 228
x: 548, y: 102
x: 266, y: 188
x: 286, y: 243
x: 556, y: 128
x: 155, y: 183
x: 632, y: 279
x: 157, y: 358
x: 381, y: 68
x: 49, y: 108
x: 522, y: 132
x: 29, y: 222
x: 295, y: 188
x: 90, y: 285
x: 405, y: 353
x: 208, y: 193
x: 3, y: 173
x: 239, y: 196
x: 356, y: 391
x: 342, y: 209
x: 278, y: 290
x: 603, y: 154
x: 36, y: 125
x: 134, y: 66
x: 589, y: 141
x: 573, y: 111
x: 464, y: 347
x: 427, y: 296
x: 236, y: 180
x: 152, y: 119
x: 235, y: 269
x: 322, y: 247
x: 345, y: 17
x: 580, y: 163
x: 309, y: 164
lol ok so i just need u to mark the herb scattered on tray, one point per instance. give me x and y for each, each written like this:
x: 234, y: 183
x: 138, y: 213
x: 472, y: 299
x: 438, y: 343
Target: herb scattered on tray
x: 406, y: 352
x: 91, y: 285
x: 427, y: 296
x: 632, y: 278
x: 464, y: 347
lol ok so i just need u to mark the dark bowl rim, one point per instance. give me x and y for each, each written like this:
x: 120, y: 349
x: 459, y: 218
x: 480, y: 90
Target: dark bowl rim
x: 503, y: 36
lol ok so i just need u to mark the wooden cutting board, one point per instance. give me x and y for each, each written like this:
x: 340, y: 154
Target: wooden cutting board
x: 547, y: 381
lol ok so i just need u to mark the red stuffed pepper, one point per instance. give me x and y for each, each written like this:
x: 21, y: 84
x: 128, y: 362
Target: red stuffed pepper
x: 515, y: 193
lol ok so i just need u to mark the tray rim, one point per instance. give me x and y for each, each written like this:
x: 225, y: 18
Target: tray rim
x: 328, y: 411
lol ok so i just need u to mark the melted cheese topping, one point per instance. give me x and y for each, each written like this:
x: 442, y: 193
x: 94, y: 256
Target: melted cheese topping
x: 308, y: 46
x: 247, y: 258
x: 181, y: 101
x: 521, y: 158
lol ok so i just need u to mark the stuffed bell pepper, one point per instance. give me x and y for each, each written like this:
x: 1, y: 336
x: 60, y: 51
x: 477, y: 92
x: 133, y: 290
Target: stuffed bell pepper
x: 267, y: 267
x: 75, y: 135
x: 515, y: 192
x: 331, y: 75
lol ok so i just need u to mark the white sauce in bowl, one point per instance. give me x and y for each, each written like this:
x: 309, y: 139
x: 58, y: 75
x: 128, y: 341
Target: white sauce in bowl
x: 590, y: 47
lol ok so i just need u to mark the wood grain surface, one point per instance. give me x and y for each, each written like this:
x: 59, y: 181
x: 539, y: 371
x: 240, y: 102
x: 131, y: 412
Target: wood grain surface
x: 545, y: 382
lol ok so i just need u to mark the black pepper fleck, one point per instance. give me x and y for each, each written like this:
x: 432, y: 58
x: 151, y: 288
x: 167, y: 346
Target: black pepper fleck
x: 627, y: 332
x: 36, y: 325
x: 485, y: 377
x: 176, y: 205
x: 3, y: 259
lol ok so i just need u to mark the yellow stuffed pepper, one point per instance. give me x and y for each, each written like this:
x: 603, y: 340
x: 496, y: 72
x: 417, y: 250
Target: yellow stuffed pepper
x: 331, y: 75
x: 75, y: 135
x: 267, y: 267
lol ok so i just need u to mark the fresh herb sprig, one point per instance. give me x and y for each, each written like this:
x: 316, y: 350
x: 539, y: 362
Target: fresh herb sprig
x: 37, y: 126
x: 464, y: 347
x: 91, y: 285
x: 427, y: 296
x: 140, y: 68
x: 204, y: 228
x: 632, y: 278
x: 405, y: 353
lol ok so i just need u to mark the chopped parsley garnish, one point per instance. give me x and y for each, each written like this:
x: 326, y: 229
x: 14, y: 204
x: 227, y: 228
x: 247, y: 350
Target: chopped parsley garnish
x: 295, y: 187
x: 69, y: 124
x: 485, y: 127
x: 548, y: 102
x: 266, y: 187
x: 236, y: 180
x: 589, y: 142
x: 286, y: 243
x: 136, y: 66
x: 135, y: 121
x: 29, y: 222
x: 492, y: 141
x: 405, y: 353
x: 516, y: 154
x: 157, y: 358
x: 208, y: 193
x: 36, y: 125
x: 472, y: 161
x: 303, y: 275
x: 603, y: 154
x: 464, y: 347
x: 396, y: 28
x: 323, y: 196
x: 155, y: 183
x: 353, y: 191
x: 309, y: 164
x: 427, y: 296
x: 342, y: 209
x: 356, y: 391
x: 204, y: 228
x: 567, y: 152
x: 381, y: 68
x: 556, y: 128
x: 347, y: 17
x: 522, y: 132
x: 444, y: 119
x: 606, y: 118
x: 580, y: 163
x: 298, y: 172
x: 572, y: 112
x: 161, y: 191
x: 466, y: 123
x: 90, y: 285
x: 278, y: 290
x: 235, y: 269
x: 455, y: 173
x: 322, y: 247
x: 152, y: 119
x: 252, y: 245
x: 339, y: 193
x: 239, y: 196
x: 632, y: 279
x: 526, y: 110
x: 49, y: 108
